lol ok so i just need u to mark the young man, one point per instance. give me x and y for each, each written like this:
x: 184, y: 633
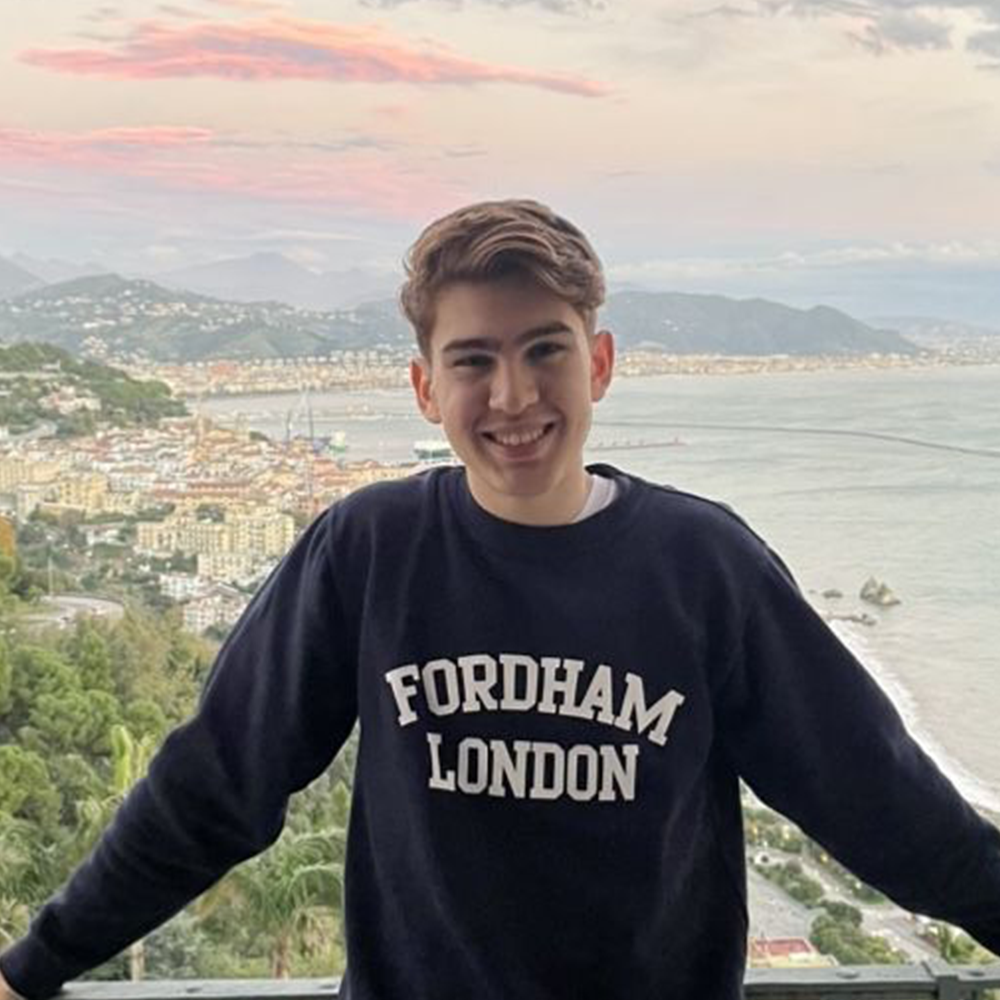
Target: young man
x: 561, y: 673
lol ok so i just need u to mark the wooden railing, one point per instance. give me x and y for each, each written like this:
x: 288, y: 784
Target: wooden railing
x: 865, y: 982
x: 875, y: 982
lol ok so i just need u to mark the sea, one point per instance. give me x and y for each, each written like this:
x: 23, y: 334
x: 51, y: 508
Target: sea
x: 891, y: 473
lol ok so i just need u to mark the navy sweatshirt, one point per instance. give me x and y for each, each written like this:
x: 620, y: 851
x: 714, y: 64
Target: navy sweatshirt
x: 553, y: 726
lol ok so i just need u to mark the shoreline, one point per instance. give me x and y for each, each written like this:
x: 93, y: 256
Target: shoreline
x: 309, y: 376
x: 970, y: 785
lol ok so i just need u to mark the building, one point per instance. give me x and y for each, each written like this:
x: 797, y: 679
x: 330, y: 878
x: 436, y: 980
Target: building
x: 264, y: 534
x: 785, y: 953
x: 182, y: 586
x: 260, y: 534
x: 221, y: 606
x: 227, y: 567
x: 28, y: 497
x: 16, y: 470
x: 84, y: 491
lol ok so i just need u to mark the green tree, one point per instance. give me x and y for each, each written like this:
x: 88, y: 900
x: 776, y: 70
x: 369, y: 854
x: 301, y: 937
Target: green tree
x: 76, y: 720
x: 88, y: 651
x: 37, y: 671
x: 843, y: 913
x: 145, y: 718
x: 152, y: 659
x: 954, y: 947
x: 77, y: 780
x: 288, y: 898
x: 325, y: 804
x: 130, y: 759
x: 14, y: 918
x: 26, y: 787
x: 34, y: 864
x: 850, y: 945
x: 16, y: 863
x: 793, y: 879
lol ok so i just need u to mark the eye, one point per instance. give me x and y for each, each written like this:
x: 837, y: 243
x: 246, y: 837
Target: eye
x: 545, y: 349
x: 472, y: 361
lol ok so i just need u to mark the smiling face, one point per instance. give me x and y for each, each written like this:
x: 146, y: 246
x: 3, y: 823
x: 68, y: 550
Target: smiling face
x: 512, y: 378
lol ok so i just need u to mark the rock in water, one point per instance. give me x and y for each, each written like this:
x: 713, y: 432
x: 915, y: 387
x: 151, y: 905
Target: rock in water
x: 878, y: 592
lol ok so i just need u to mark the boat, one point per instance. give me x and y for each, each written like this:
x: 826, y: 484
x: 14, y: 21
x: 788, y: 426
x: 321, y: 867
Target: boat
x: 433, y: 450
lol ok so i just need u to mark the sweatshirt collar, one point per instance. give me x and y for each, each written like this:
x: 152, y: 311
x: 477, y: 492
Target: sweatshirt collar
x: 540, y: 543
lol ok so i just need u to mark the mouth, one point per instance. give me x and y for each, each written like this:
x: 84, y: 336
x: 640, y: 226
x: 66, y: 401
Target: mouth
x: 520, y: 438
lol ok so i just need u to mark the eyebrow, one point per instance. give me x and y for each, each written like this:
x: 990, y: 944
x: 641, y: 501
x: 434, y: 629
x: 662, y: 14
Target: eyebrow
x: 493, y: 343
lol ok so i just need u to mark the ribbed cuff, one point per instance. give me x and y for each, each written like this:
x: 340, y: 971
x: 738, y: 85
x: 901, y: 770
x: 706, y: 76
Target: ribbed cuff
x: 32, y: 971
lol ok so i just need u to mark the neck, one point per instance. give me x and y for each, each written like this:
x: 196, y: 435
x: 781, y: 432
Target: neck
x: 558, y: 506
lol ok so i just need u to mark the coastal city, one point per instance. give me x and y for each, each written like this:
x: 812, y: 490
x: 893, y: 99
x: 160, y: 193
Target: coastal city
x: 387, y: 368
x: 231, y: 501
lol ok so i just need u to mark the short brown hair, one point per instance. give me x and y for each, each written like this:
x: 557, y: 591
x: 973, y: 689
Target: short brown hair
x: 494, y: 239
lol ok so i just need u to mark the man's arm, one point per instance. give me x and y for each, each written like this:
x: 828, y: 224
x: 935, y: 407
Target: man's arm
x: 817, y: 739
x: 277, y: 707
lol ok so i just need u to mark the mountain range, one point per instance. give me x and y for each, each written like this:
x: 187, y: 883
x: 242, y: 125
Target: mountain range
x: 112, y: 315
x: 259, y: 277
x: 14, y: 279
x: 107, y: 315
x: 272, y: 276
x: 936, y: 334
x: 681, y: 323
x: 52, y: 269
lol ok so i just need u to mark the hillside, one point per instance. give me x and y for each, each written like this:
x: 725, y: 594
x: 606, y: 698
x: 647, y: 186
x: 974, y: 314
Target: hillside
x: 273, y: 277
x: 52, y: 269
x: 939, y: 334
x: 712, y: 324
x: 110, y: 316
x: 44, y: 384
x: 14, y: 279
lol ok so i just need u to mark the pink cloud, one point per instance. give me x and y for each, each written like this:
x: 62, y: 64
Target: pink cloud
x: 360, y: 188
x: 285, y: 48
x: 97, y: 143
x: 165, y: 160
x: 151, y: 135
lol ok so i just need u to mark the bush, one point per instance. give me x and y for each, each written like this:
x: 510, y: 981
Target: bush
x: 850, y: 945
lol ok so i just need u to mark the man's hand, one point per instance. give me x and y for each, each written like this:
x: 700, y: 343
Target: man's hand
x: 6, y: 993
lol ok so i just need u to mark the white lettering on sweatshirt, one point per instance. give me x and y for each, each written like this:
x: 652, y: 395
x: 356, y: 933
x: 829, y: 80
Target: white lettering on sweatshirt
x: 550, y: 685
x: 547, y: 685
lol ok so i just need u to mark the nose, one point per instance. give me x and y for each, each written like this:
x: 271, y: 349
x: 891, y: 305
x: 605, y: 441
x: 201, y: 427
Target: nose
x: 513, y: 388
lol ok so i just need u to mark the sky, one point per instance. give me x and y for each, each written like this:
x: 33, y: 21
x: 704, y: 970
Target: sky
x: 844, y: 152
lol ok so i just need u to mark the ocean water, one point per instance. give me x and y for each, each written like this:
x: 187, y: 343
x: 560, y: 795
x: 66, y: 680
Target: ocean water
x: 847, y: 474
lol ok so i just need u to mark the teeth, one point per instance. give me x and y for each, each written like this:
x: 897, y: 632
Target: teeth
x: 513, y: 440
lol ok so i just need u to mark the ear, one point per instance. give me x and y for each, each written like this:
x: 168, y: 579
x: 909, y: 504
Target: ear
x: 602, y: 363
x: 423, y: 389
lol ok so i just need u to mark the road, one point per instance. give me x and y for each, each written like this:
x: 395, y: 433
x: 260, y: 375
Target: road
x: 62, y: 609
x: 779, y: 910
x: 773, y: 914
